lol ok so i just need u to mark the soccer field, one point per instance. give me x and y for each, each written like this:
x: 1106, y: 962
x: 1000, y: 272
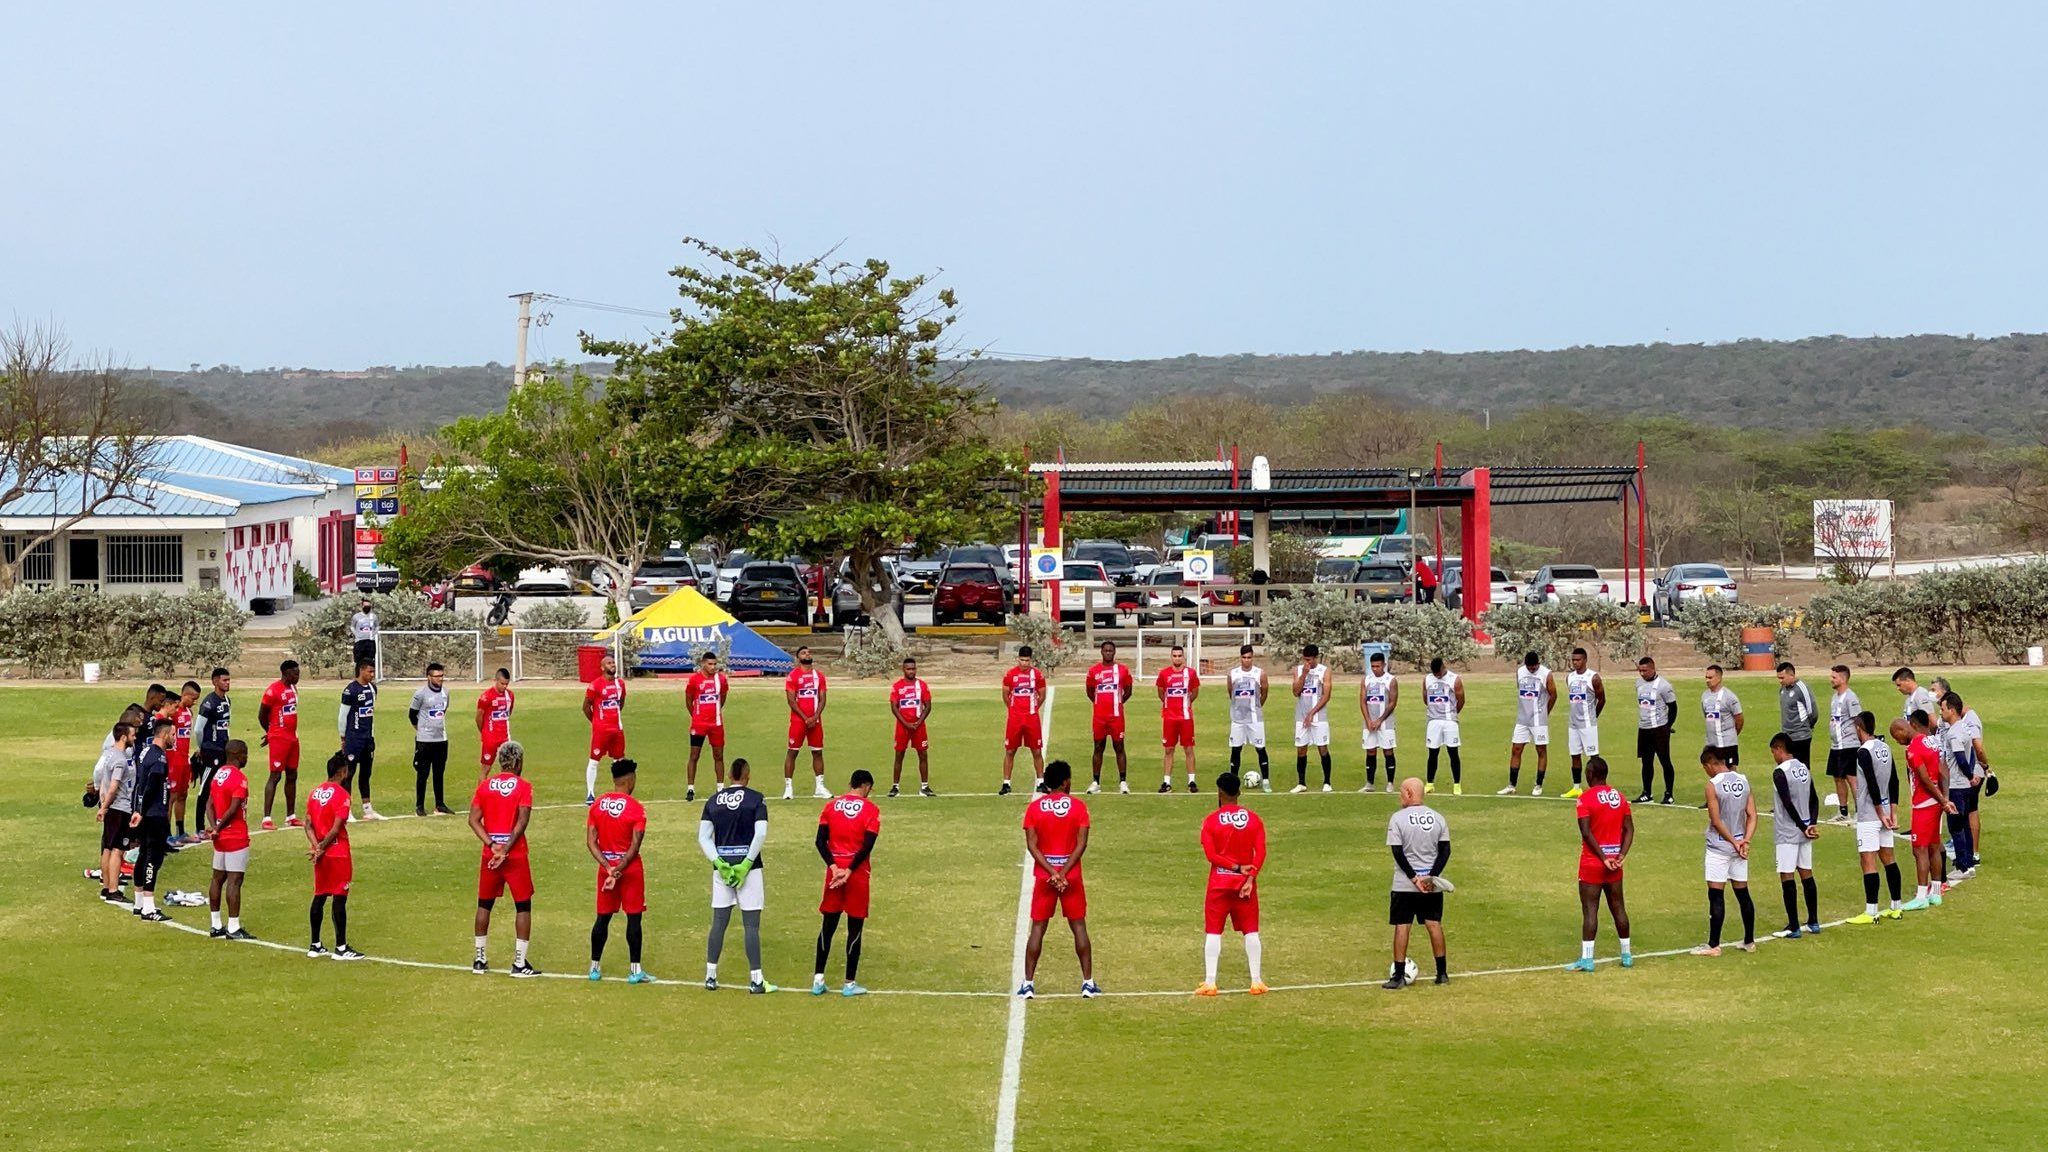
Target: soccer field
x: 1921, y: 1033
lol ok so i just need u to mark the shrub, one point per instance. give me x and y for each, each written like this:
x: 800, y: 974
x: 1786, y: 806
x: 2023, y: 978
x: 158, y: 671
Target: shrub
x: 1333, y: 621
x: 553, y: 654
x: 198, y: 630
x: 1877, y: 620
x: 869, y: 652
x: 2014, y: 616
x: 55, y: 633
x: 321, y: 641
x: 1047, y: 642
x: 1714, y: 625
x: 1416, y: 633
x: 1555, y: 627
x: 305, y: 586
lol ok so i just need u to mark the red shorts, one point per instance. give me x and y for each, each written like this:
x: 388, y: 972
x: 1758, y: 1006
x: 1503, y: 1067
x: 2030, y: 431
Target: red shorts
x: 1927, y: 826
x: 516, y: 873
x: 850, y: 897
x: 1225, y: 903
x: 1022, y: 732
x: 705, y: 732
x: 1176, y: 731
x: 331, y: 875
x: 181, y: 771
x: 919, y: 738
x: 629, y: 896
x: 1109, y: 727
x: 284, y: 751
x: 1073, y: 903
x: 491, y: 741
x: 801, y: 734
x: 1594, y: 871
x: 608, y: 744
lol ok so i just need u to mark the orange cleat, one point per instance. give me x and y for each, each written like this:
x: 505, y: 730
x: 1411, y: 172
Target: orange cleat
x: 1258, y: 989
x: 1206, y: 990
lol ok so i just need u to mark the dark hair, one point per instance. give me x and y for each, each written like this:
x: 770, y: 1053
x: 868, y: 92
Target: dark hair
x: 505, y: 672
x: 624, y: 767
x: 1921, y: 719
x: 1436, y: 665
x: 362, y: 664
x: 910, y: 659
x: 436, y: 667
x: 1058, y: 773
x: 1244, y: 649
x: 1378, y: 658
x: 191, y: 684
x: 234, y: 748
x: 287, y: 666
x: 1782, y: 742
x: 1024, y: 652
x: 739, y: 769
x: 158, y: 689
x: 1786, y: 666
x: 1952, y: 700
x: 1714, y: 668
x: 1106, y: 644
x: 217, y: 673
x: 1177, y: 648
x: 1842, y: 668
x: 1646, y: 662
x: 802, y: 648
x: 1903, y: 674
x: 861, y: 778
x: 1227, y: 784
x: 123, y: 729
x: 1531, y: 659
x: 1596, y: 771
x: 1578, y: 651
x: 1867, y: 721
x: 338, y: 765
x: 1712, y: 755
x: 1311, y: 650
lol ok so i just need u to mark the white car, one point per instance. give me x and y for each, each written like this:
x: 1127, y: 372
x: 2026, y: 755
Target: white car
x: 1557, y: 581
x: 1681, y: 583
x: 1084, y: 588
x: 1504, y: 589
x: 729, y: 571
x: 545, y: 580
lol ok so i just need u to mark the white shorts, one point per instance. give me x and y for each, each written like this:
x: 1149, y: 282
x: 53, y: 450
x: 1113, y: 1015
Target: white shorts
x: 1253, y: 734
x: 236, y: 861
x: 1441, y: 734
x: 1582, y: 741
x: 751, y: 895
x: 1725, y: 866
x: 1372, y: 741
x: 1871, y: 836
x: 1538, y: 735
x: 1793, y: 857
x: 1317, y: 734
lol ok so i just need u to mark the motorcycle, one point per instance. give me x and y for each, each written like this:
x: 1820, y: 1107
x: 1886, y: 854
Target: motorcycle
x: 501, y: 610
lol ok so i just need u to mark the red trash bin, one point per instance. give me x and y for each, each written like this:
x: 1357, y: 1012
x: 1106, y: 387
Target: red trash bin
x: 590, y: 661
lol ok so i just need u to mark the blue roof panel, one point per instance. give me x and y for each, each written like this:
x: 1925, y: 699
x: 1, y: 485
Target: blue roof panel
x: 216, y: 479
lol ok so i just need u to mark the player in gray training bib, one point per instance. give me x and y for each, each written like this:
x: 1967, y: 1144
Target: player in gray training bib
x: 1794, y: 829
x: 1731, y: 825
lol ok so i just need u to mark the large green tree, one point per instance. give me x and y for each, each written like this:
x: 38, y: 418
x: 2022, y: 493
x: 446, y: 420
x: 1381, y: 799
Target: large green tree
x: 812, y: 406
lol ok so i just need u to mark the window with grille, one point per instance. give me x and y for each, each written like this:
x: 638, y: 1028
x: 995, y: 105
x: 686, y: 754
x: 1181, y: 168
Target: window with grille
x: 41, y: 565
x: 145, y: 560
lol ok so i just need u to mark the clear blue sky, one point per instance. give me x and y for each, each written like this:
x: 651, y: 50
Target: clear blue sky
x: 364, y: 183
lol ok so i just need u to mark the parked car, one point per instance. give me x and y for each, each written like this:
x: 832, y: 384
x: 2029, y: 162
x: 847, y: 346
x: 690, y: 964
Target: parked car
x: 1143, y: 561
x: 971, y: 593
x: 1681, y: 583
x: 918, y: 576
x: 846, y: 607
x: 1383, y: 582
x: 1166, y: 587
x: 659, y: 578
x: 728, y: 571
x: 545, y: 580
x: 1557, y: 581
x: 1504, y: 589
x: 769, y: 590
x: 475, y: 578
x: 1115, y: 558
x: 1400, y: 550
x: 1084, y: 588
x: 1336, y: 569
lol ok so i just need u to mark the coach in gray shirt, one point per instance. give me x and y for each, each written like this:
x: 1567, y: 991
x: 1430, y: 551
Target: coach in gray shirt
x: 1796, y: 712
x: 429, y: 715
x: 1421, y: 843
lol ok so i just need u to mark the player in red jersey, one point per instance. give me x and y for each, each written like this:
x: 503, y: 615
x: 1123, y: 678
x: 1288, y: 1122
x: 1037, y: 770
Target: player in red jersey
x: 1607, y: 830
x: 278, y: 715
x: 494, y: 718
x: 1178, y: 686
x: 910, y: 701
x: 1055, y: 837
x: 327, y: 847
x: 1234, y: 841
x: 804, y: 689
x: 1024, y: 693
x: 704, y: 694
x: 178, y: 714
x: 604, y: 705
x: 615, y: 829
x: 498, y: 815
x: 1109, y: 688
x: 228, y: 804
x: 1930, y: 801
x: 847, y: 831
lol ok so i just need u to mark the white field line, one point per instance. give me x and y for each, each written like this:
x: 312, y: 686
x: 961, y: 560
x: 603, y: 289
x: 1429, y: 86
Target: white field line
x: 1013, y: 1031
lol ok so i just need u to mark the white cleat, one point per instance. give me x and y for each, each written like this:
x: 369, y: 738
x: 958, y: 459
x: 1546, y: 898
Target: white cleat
x: 1297, y: 790
x: 821, y: 792
x: 789, y: 792
x: 1094, y: 786
x: 1507, y: 791
x: 1536, y: 791
x: 1123, y: 788
x: 1327, y: 788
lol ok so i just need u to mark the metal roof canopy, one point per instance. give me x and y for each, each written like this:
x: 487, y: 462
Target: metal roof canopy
x: 1205, y: 484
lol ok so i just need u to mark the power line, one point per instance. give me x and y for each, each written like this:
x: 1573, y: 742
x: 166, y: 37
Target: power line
x: 599, y: 306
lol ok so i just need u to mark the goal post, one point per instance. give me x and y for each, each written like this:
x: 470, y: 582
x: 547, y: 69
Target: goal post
x: 404, y: 654
x: 1160, y: 637
x: 550, y: 653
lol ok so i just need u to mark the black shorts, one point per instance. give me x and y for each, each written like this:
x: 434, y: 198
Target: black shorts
x: 205, y: 760
x: 115, y: 835
x: 362, y: 755
x: 365, y: 653
x: 1653, y: 742
x: 1731, y: 754
x: 428, y: 755
x: 1415, y: 907
x: 1802, y: 750
x: 1842, y: 762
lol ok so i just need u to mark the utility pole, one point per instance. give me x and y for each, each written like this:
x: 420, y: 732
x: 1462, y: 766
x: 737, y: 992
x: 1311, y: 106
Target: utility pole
x: 525, y: 321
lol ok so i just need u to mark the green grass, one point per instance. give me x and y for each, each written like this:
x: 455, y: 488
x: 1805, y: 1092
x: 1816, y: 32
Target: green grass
x: 114, y: 1033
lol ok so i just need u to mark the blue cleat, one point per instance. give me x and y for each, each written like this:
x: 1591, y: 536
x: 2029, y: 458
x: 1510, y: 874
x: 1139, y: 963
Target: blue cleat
x: 1628, y: 960
x: 640, y: 978
x: 595, y: 975
x: 851, y: 990
x: 1582, y: 964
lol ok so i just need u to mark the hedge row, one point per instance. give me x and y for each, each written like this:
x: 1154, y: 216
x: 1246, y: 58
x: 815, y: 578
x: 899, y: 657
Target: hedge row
x: 57, y: 632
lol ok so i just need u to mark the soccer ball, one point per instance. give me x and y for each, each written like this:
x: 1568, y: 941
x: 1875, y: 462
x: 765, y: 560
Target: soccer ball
x: 1252, y: 779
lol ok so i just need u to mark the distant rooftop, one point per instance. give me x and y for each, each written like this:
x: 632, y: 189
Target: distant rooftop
x: 195, y: 476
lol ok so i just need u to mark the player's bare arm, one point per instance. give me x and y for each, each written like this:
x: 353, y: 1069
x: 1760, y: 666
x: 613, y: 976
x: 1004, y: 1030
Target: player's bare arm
x: 483, y: 713
x: 1748, y: 826
x: 1057, y: 880
x: 1458, y: 694
x: 1628, y: 839
x: 589, y: 709
x: 1599, y: 696
x: 1074, y: 861
x: 590, y: 842
x: 1550, y: 694
x: 1300, y: 671
x: 322, y: 844
x: 1363, y: 711
x: 476, y: 826
x: 1393, y: 699
x: 1586, y: 835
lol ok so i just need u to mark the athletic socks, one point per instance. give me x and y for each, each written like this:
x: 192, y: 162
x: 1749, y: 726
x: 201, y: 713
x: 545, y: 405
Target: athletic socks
x: 1254, y: 956
x: 1748, y: 907
x: 1191, y: 778
x: 1578, y: 774
x: 1649, y: 775
x: 1585, y: 949
x: 590, y: 778
x: 754, y: 974
x: 214, y: 918
x: 1791, y: 892
x: 234, y: 923
x: 1236, y: 757
x: 1212, y: 950
x: 181, y: 829
x: 636, y: 967
x: 1812, y: 899
x: 1457, y: 768
x: 1540, y: 774
x: 1390, y: 767
x: 482, y: 943
x: 1625, y: 949
x: 1301, y: 768
x: 1443, y: 965
x: 1920, y: 892
x: 1870, y: 893
x: 1324, y: 752
x: 1372, y: 769
x: 1895, y: 881
x: 1429, y: 768
x: 1717, y: 914
x: 518, y: 952
x: 1514, y: 776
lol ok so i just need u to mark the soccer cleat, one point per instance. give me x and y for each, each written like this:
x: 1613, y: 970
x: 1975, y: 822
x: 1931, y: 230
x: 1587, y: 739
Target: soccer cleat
x: 1442, y: 978
x: 1206, y: 990
x: 155, y: 917
x: 690, y: 793
x: 818, y: 987
x: 1326, y: 788
x: 1089, y: 991
x: 1813, y: 929
x: 1390, y: 789
x: 1368, y: 787
x: 1575, y: 792
x: 524, y: 971
x: 316, y: 951
x: 1094, y: 787
x: 789, y: 790
x: 370, y: 813
x: 1429, y: 788
x: 111, y: 897
x: 1747, y: 945
x: 850, y: 989
x: 1861, y: 918
x: 1892, y: 914
x: 293, y: 821
x: 439, y: 810
x: 894, y: 792
x: 1396, y: 982
x: 820, y: 792
x: 1266, y: 785
x: 477, y: 965
x: 217, y: 934
x: 1791, y: 933
x: 1628, y: 960
x: 1643, y: 799
x: 1582, y: 964
x: 595, y: 975
x: 760, y: 988
x: 1123, y: 788
x: 589, y: 798
x: 420, y: 811
x: 1965, y: 874
x: 1194, y: 787
x: 640, y: 978
x: 1507, y: 791
x: 1666, y: 801
x: 240, y: 934
x: 926, y: 791
x: 347, y: 953
x: 1297, y: 790
x: 1258, y: 988
x: 1915, y: 904
x: 1026, y: 991
x: 1536, y: 791
x: 269, y: 824
x: 1166, y: 786
x: 1003, y: 791
x: 1934, y: 899
x: 1457, y: 789
x: 1707, y: 950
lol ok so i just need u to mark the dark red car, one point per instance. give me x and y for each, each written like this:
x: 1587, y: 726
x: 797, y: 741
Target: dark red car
x: 970, y: 593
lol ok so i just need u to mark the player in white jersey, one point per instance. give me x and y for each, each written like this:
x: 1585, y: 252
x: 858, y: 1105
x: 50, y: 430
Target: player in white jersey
x: 1585, y: 698
x: 1842, y: 747
x: 1535, y: 696
x: 1874, y: 800
x: 1443, y: 699
x: 1248, y: 714
x: 1311, y: 718
x: 1731, y: 826
x: 1378, y: 695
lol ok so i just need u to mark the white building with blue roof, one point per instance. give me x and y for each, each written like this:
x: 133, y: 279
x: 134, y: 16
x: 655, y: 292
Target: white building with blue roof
x: 206, y: 515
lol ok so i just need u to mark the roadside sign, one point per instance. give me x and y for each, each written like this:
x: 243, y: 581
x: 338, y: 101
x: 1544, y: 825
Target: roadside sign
x: 1045, y: 563
x: 1198, y: 565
